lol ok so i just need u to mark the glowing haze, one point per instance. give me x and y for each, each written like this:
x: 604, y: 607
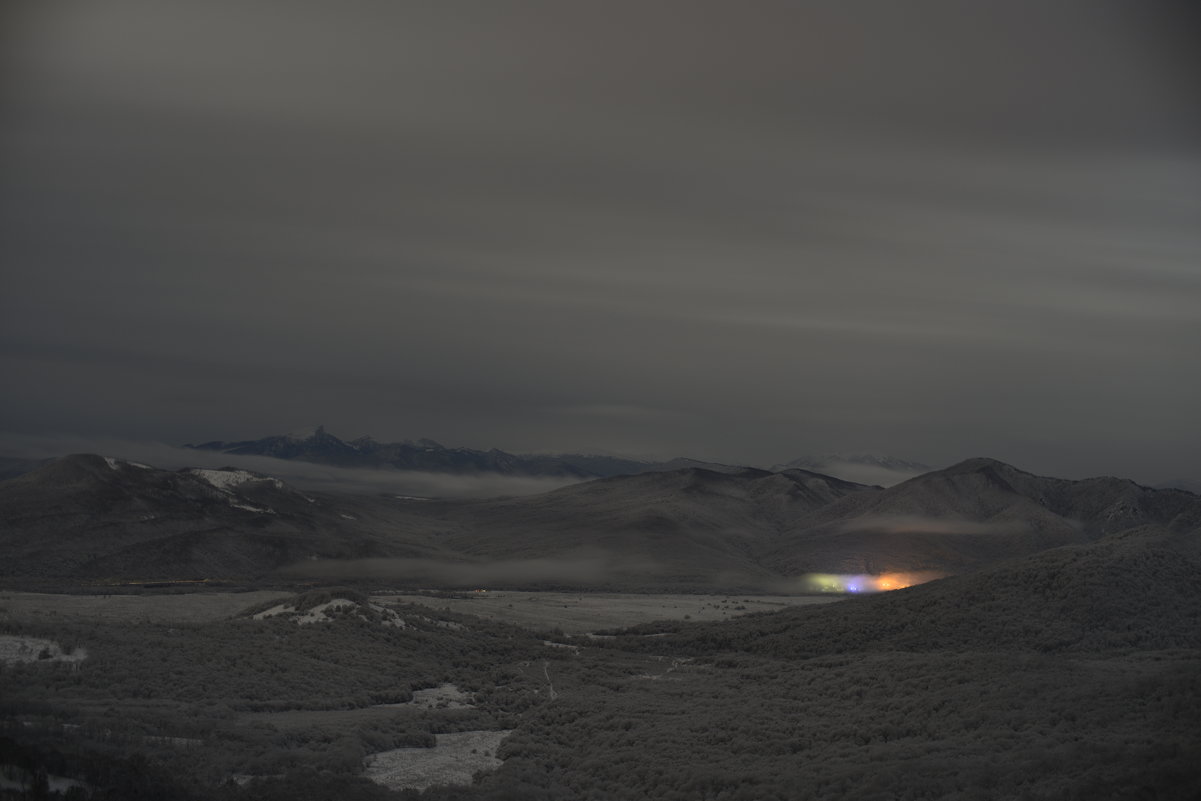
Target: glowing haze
x: 865, y: 582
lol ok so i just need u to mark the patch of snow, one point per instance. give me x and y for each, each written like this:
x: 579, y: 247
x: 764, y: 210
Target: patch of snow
x: 347, y: 517
x: 411, y: 498
x: 225, y: 479
x: 249, y: 508
x: 279, y: 609
x: 318, y: 613
x: 446, y: 696
x: 16, y: 649
x: 454, y: 760
x: 390, y: 617
x: 14, y: 778
x: 115, y: 463
x: 676, y: 664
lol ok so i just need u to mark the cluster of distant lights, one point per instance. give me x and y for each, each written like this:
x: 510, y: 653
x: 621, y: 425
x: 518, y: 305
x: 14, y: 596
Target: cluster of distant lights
x: 863, y: 582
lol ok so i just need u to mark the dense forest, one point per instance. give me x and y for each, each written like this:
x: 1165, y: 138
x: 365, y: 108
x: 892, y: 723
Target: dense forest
x: 786, y: 705
x: 201, y: 697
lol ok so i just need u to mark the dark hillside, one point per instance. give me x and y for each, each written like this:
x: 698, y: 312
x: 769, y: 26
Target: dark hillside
x: 1133, y: 592
x: 88, y: 516
x: 972, y: 514
x: 687, y: 522
x: 92, y: 517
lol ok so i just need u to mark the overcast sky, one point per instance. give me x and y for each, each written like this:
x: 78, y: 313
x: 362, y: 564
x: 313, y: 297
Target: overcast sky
x: 742, y: 231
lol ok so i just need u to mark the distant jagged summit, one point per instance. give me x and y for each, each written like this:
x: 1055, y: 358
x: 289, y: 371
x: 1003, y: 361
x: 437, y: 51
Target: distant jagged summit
x: 309, y: 445
x: 317, y: 445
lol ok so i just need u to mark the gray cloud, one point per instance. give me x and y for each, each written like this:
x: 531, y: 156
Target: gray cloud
x: 739, y: 233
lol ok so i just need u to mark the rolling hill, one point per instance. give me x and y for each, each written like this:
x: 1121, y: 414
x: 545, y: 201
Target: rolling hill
x: 971, y: 514
x: 87, y: 516
x: 90, y: 516
x: 1141, y: 590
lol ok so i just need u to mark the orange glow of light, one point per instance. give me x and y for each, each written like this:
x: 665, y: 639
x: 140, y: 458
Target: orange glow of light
x: 856, y: 584
x: 894, y: 581
x: 898, y: 581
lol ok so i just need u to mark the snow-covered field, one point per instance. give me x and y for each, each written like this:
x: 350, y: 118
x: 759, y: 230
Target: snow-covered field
x: 454, y: 760
x: 446, y: 696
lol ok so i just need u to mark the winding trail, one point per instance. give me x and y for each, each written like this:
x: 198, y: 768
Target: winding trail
x: 552, y: 695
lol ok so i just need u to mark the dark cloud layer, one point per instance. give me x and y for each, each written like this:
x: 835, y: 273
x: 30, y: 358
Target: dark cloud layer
x: 733, y: 231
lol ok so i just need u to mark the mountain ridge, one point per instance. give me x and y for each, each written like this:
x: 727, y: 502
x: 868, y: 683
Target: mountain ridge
x: 91, y: 516
x: 320, y: 447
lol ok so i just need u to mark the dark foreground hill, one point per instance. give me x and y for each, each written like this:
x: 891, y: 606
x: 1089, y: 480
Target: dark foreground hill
x: 95, y: 517
x: 1068, y: 674
x: 1074, y: 673
x: 972, y: 514
x: 1139, y: 590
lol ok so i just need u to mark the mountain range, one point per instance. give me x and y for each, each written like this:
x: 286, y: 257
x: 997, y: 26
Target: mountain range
x: 320, y: 447
x: 91, y: 517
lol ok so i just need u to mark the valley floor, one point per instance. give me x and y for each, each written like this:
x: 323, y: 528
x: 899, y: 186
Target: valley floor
x: 588, y: 612
x: 180, y: 700
x: 200, y: 607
